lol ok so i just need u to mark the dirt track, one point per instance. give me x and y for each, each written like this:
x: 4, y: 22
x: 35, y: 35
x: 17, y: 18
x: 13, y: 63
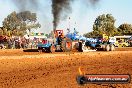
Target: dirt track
x: 59, y: 70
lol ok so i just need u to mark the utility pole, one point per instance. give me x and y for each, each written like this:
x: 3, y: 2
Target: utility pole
x: 69, y: 23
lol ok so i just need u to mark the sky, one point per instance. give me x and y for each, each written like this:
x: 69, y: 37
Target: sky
x: 82, y: 16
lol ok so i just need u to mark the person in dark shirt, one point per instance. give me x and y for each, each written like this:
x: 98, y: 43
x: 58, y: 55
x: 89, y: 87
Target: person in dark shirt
x: 59, y: 39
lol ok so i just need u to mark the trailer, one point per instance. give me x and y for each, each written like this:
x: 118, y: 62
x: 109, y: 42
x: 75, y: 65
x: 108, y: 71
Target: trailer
x: 96, y: 45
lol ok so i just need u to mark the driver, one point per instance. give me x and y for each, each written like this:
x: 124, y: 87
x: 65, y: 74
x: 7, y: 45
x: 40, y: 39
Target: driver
x: 59, y: 39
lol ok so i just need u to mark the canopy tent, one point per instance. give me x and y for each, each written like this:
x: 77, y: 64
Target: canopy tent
x: 39, y: 37
x: 36, y: 35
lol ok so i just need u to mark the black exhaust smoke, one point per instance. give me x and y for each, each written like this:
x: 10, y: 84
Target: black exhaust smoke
x: 24, y: 5
x: 58, y: 7
x: 61, y: 6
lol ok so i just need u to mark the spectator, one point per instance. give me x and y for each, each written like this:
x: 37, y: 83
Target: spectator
x: 9, y: 43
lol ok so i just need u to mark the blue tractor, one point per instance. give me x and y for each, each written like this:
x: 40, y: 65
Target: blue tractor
x: 96, y: 44
x: 62, y: 43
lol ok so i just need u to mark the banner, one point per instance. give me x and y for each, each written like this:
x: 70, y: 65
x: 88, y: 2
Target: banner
x: 37, y: 34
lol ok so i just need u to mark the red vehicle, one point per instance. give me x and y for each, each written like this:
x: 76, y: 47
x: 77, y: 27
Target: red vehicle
x: 3, y: 39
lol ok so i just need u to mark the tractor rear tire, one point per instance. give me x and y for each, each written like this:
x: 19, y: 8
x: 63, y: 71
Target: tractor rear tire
x: 40, y: 49
x: 66, y: 45
x: 107, y: 48
x: 112, y: 47
x: 124, y: 45
x: 103, y: 47
x: 80, y: 47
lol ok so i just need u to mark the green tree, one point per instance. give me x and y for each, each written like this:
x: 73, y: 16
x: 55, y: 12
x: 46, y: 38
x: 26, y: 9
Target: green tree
x: 92, y: 34
x: 104, y: 24
x: 19, y: 23
x: 1, y: 31
x: 4, y: 31
x: 125, y: 29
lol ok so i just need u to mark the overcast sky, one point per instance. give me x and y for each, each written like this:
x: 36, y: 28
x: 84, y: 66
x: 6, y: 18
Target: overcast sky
x: 82, y: 14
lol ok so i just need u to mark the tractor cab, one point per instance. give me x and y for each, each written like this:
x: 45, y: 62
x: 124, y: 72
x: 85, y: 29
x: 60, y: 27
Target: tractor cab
x: 59, y: 36
x: 59, y: 33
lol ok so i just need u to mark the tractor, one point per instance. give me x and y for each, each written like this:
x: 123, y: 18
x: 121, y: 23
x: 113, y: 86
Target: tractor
x: 104, y: 43
x: 62, y: 43
x: 99, y: 44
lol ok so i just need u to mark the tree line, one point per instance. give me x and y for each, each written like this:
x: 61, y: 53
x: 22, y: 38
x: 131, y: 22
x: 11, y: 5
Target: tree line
x: 105, y: 24
x: 17, y: 24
